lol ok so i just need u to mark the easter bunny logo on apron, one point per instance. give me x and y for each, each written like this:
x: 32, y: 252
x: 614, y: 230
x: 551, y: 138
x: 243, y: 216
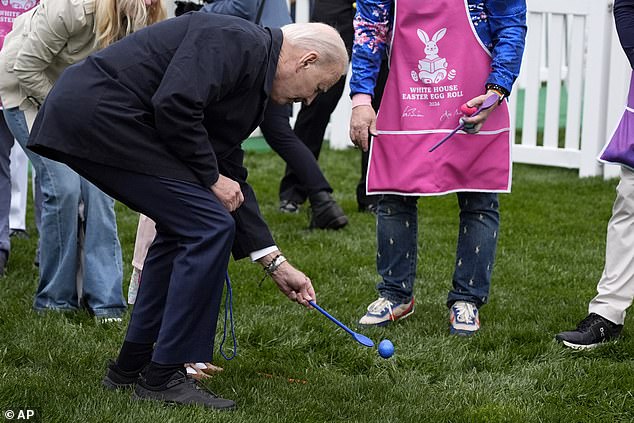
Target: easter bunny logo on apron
x: 433, y: 68
x: 437, y: 63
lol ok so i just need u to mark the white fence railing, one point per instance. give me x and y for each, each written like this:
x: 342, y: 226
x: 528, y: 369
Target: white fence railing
x: 578, y: 58
x: 571, y: 49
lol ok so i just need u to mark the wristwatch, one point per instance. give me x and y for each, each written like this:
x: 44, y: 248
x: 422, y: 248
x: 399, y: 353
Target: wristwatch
x: 500, y: 90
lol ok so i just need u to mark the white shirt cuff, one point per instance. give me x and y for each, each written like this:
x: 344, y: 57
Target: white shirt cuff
x: 256, y: 255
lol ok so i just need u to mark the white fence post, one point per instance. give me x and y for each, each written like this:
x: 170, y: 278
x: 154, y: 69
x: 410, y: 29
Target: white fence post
x: 302, y: 15
x: 619, y: 77
x: 577, y: 61
x: 302, y: 11
x: 596, y: 85
x: 338, y: 130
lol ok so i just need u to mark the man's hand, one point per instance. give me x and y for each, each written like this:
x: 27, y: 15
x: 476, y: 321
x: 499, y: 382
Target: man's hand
x: 228, y: 192
x: 474, y: 124
x: 362, y: 124
x: 294, y: 284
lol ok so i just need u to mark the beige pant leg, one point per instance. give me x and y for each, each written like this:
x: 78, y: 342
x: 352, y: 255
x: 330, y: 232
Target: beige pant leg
x: 616, y: 286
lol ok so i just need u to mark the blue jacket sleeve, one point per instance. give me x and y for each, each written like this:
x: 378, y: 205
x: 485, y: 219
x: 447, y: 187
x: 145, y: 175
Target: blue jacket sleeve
x: 245, y: 9
x: 507, y: 26
x: 371, y: 27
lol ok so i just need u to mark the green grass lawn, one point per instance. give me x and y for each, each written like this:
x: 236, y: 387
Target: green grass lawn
x: 550, y: 256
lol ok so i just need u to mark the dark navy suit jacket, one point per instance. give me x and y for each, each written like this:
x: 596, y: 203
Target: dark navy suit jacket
x: 175, y: 100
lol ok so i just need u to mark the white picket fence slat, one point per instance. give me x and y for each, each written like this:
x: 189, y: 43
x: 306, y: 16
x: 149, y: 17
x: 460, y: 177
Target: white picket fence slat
x: 533, y: 81
x: 553, y: 94
x: 575, y: 85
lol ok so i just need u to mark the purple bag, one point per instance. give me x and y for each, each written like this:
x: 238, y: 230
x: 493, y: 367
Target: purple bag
x: 620, y: 149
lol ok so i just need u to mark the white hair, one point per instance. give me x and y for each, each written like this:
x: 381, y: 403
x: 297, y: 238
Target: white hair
x: 322, y: 38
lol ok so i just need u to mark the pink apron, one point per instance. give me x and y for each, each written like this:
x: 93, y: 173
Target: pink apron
x: 437, y: 63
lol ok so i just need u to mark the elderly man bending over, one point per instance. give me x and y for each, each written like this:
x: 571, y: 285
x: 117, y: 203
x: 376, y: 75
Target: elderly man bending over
x: 156, y: 121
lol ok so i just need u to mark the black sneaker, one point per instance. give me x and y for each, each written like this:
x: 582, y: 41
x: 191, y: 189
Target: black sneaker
x: 590, y: 332
x: 116, y: 378
x: 289, y: 206
x: 325, y: 212
x: 180, y: 389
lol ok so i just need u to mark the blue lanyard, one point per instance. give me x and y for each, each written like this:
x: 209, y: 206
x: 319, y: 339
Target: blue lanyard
x: 229, y: 312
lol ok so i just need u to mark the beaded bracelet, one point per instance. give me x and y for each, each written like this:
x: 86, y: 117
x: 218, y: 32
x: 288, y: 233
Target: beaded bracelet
x: 273, y: 266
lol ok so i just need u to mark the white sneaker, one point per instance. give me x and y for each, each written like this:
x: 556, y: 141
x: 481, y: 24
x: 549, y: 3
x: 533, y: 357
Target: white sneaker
x: 383, y: 311
x: 107, y: 320
x: 463, y: 318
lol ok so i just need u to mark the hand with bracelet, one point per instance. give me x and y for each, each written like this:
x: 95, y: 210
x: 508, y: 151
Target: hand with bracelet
x: 474, y: 124
x: 292, y: 282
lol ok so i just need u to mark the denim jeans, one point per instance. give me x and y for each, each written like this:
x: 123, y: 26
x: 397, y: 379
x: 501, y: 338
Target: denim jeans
x: 397, y: 229
x: 6, y: 142
x: 60, y: 256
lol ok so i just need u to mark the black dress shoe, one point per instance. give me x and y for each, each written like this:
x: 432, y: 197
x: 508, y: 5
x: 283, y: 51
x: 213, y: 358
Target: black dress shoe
x: 180, y: 389
x: 116, y: 378
x: 325, y: 212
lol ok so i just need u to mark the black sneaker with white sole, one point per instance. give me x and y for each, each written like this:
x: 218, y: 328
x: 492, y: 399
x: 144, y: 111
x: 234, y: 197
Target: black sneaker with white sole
x: 116, y: 378
x: 590, y: 332
x: 181, y: 389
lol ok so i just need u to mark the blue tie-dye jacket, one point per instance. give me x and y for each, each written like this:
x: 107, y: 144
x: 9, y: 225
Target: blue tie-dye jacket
x: 500, y: 24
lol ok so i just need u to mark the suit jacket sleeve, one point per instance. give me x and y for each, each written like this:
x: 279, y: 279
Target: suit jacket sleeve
x: 191, y: 79
x: 252, y: 232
